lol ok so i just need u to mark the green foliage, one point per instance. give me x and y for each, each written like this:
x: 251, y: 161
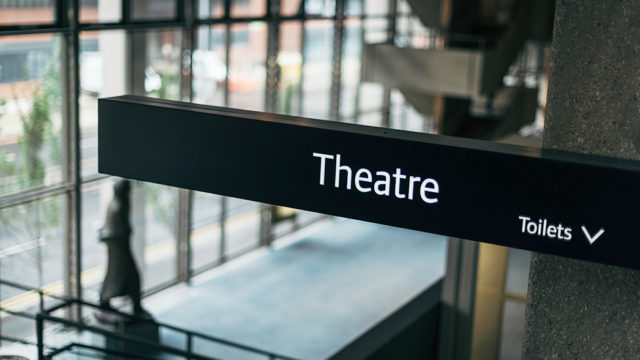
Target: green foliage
x: 37, y: 220
x: 35, y: 125
x: 167, y: 79
x: 29, y: 169
x: 288, y: 99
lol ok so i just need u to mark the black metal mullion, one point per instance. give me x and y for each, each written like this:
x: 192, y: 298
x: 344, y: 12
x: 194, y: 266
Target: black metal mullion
x: 271, y: 81
x: 126, y: 12
x: 391, y: 33
x: 59, y: 13
x: 227, y: 46
x: 356, y: 111
x: 336, y: 69
x: 303, y: 34
x: 223, y: 199
x: 75, y: 199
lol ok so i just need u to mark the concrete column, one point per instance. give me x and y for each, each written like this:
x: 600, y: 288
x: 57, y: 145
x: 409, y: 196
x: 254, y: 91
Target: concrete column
x: 575, y: 309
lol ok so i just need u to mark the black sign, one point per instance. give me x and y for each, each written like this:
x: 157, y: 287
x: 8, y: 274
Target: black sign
x: 556, y: 202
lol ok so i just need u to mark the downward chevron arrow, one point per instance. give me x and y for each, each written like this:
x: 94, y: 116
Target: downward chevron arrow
x: 590, y: 238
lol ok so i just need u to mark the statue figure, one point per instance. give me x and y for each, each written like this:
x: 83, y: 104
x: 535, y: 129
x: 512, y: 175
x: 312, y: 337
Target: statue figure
x: 122, y: 276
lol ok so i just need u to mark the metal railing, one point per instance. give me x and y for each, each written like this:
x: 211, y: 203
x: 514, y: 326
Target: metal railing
x: 46, y: 314
x: 189, y: 335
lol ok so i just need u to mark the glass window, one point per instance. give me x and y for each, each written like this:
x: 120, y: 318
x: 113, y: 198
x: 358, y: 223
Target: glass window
x: 403, y: 7
x: 353, y: 7
x: 376, y: 7
x: 210, y: 8
x: 31, y: 95
x: 289, y: 7
x: 320, y: 7
x: 248, y: 8
x: 32, y: 243
x: 289, y: 68
x: 242, y: 226
x: 351, y: 54
x: 371, y: 97
x: 209, y: 69
x: 158, y: 63
x: 228, y: 63
x: 316, y: 72
x: 103, y: 11
x: 32, y: 253
x: 102, y: 73
x: 247, y: 73
x: 205, y: 229
x: 95, y: 200
x: 153, y: 9
x: 26, y: 12
x: 376, y: 30
x: 154, y: 220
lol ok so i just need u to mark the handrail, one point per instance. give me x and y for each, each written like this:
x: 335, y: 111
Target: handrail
x: 22, y: 341
x: 42, y: 317
x: 45, y: 315
x: 73, y: 345
x: 17, y: 340
x: 189, y: 334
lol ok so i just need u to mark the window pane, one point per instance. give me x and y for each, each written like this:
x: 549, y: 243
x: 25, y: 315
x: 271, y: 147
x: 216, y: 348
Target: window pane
x: 30, y: 112
x: 26, y: 12
x: 248, y: 8
x: 153, y: 9
x: 205, y: 229
x: 351, y: 50
x: 157, y: 67
x: 318, y: 52
x: 209, y: 69
x: 32, y: 248
x: 92, y: 11
x: 95, y: 199
x: 247, y: 73
x: 376, y: 30
x: 353, y: 7
x: 376, y: 7
x: 102, y: 74
x: 290, y: 68
x: 289, y: 7
x: 32, y: 243
x: 210, y: 8
x: 242, y: 226
x: 320, y: 7
x: 371, y: 97
x: 154, y: 218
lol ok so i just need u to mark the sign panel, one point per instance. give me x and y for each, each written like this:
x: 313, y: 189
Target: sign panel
x: 548, y: 201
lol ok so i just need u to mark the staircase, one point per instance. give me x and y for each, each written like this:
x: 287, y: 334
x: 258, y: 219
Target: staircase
x: 457, y: 66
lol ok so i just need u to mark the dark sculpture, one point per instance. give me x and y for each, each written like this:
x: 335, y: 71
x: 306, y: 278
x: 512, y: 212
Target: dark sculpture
x: 122, y: 276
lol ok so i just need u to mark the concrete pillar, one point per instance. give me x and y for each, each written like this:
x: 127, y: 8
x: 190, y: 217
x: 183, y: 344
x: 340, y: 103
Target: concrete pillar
x: 575, y: 309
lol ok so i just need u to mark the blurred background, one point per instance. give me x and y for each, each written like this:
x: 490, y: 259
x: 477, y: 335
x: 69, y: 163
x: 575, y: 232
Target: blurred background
x: 474, y: 70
